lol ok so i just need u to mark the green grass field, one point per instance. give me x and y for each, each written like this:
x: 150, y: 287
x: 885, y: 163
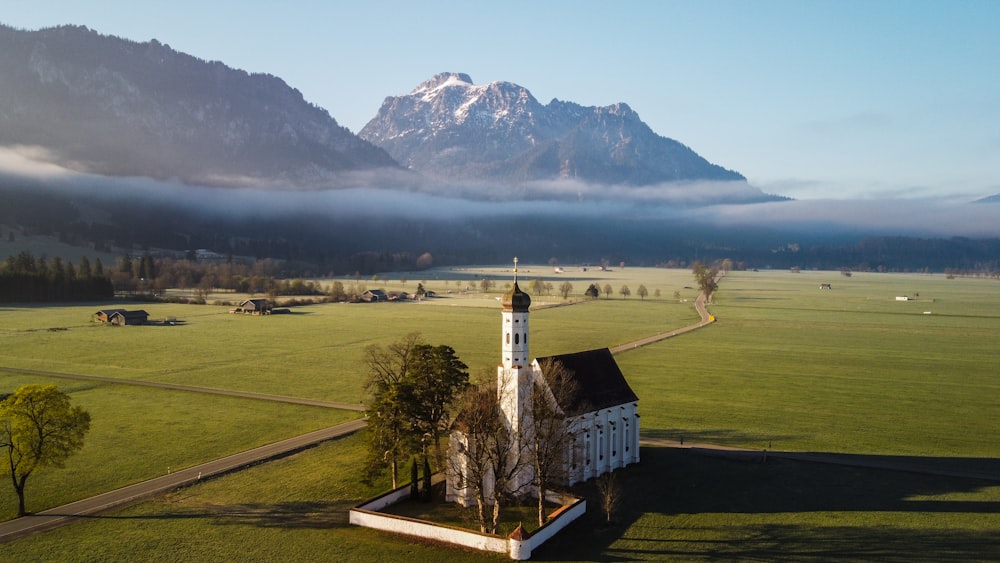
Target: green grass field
x: 788, y: 366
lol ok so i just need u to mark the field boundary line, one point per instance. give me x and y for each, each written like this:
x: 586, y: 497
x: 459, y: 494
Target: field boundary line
x: 190, y: 388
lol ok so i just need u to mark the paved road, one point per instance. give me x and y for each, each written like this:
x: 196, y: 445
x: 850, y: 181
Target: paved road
x: 176, y: 387
x: 132, y: 494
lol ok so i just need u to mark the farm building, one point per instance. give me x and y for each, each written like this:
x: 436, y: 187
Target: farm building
x: 373, y: 295
x: 588, y: 390
x: 123, y: 318
x: 104, y: 315
x: 253, y: 307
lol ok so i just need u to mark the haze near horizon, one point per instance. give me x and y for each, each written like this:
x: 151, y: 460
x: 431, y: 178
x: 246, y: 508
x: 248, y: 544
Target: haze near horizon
x: 819, y: 100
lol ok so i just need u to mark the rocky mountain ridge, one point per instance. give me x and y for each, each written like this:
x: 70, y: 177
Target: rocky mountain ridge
x: 449, y: 127
x: 110, y: 106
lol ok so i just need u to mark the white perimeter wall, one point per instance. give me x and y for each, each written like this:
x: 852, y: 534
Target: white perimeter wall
x: 367, y: 515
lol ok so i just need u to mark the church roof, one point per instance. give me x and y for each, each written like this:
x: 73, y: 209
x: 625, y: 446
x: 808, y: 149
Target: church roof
x: 516, y: 300
x: 597, y: 381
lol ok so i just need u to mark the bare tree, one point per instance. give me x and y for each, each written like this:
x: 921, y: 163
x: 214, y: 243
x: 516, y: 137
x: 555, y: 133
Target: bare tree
x: 549, y: 438
x: 537, y: 286
x: 608, y: 290
x: 565, y: 288
x: 486, y: 284
x: 625, y: 291
x: 610, y: 494
x: 642, y: 292
x: 489, y: 457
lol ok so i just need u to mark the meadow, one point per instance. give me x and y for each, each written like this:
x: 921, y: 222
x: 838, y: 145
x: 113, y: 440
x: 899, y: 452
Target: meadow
x: 788, y: 366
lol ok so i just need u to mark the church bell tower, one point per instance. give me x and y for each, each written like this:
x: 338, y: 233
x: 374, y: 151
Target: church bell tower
x: 515, y: 326
x: 514, y: 375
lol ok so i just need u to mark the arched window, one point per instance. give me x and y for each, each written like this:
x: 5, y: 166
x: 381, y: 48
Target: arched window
x: 517, y: 338
x: 508, y: 338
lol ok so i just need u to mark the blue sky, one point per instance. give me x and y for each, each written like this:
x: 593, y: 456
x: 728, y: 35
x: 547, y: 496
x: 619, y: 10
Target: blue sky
x: 810, y: 99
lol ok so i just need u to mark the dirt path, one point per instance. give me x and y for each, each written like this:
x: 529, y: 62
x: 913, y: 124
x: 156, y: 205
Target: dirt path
x: 706, y: 319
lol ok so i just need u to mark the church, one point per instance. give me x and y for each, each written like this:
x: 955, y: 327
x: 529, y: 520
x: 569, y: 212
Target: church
x: 588, y: 390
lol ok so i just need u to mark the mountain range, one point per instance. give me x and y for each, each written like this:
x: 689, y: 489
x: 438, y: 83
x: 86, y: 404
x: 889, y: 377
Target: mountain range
x: 112, y: 145
x: 109, y: 106
x: 448, y: 127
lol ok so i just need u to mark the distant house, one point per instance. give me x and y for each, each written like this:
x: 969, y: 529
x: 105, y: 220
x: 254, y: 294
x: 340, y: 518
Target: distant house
x: 373, y: 295
x: 123, y: 318
x: 253, y: 307
x: 398, y: 296
x: 902, y: 298
x: 104, y: 315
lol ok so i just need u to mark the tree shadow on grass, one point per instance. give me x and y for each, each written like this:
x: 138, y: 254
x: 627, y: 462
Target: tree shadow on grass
x: 300, y: 514
x: 720, y: 436
x: 682, y: 505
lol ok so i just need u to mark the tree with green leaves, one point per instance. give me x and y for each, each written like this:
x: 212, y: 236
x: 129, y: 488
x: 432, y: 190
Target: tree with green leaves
x: 38, y: 429
x: 412, y: 387
x: 434, y: 377
x: 426, y: 490
x: 414, y: 482
x: 705, y: 277
x: 593, y: 292
x: 389, y: 429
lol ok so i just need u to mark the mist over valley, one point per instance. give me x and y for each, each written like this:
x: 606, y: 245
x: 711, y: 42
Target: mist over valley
x: 134, y: 147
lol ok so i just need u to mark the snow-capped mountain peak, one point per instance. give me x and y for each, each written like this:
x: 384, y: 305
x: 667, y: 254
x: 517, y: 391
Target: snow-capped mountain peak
x: 450, y: 127
x: 440, y: 81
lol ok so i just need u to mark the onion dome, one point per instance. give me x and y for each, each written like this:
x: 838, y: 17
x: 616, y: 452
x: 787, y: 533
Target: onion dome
x: 516, y: 300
